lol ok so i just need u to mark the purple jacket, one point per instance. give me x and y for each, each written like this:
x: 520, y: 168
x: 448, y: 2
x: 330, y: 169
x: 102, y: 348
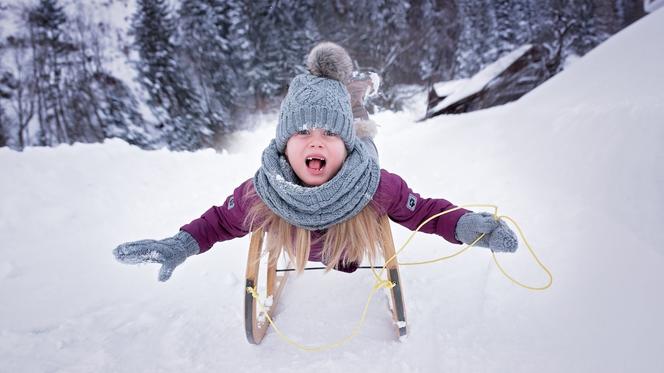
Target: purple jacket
x: 393, y: 197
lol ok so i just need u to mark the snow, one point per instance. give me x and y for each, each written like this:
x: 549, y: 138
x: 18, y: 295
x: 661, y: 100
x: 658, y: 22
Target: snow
x: 652, y: 5
x: 375, y: 84
x: 444, y: 89
x: 577, y: 162
x: 482, y: 78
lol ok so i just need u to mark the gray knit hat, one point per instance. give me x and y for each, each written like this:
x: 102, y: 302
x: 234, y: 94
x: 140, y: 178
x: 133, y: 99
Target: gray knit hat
x: 319, y: 98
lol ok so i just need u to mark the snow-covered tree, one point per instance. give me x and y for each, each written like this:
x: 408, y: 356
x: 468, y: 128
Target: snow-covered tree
x: 172, y: 97
x: 281, y: 32
x: 205, y: 46
x: 433, y: 26
x: 242, y: 55
x: 476, y: 46
x: 46, y: 25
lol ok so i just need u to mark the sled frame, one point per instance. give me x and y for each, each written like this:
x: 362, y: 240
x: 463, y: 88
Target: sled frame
x: 255, y: 329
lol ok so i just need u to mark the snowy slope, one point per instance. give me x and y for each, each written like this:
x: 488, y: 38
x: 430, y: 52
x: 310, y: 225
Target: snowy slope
x: 577, y: 163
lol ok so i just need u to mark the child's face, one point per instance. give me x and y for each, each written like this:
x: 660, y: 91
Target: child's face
x: 316, y: 155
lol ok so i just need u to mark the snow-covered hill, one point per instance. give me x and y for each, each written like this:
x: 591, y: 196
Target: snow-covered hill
x: 577, y: 163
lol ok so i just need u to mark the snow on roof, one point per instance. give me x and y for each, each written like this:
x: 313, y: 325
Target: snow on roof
x: 482, y: 78
x: 447, y: 88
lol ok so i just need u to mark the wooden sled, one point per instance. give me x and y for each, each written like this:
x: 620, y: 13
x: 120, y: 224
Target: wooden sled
x: 256, y: 323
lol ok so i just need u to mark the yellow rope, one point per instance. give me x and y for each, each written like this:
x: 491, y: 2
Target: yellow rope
x: 383, y: 283
x: 495, y: 216
x: 532, y: 253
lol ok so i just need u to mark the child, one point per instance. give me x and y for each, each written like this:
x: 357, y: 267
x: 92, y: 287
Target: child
x: 319, y: 192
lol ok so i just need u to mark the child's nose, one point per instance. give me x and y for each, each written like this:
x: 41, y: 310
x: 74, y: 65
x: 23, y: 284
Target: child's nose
x: 316, y: 139
x: 315, y: 143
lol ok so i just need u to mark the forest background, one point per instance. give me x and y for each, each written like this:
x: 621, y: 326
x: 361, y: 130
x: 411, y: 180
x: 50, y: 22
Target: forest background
x: 185, y: 74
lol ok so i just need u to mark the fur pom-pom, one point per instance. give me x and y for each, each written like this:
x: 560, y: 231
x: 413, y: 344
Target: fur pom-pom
x: 330, y: 60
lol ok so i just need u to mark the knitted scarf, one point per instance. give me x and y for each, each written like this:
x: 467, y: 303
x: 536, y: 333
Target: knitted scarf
x: 316, y: 208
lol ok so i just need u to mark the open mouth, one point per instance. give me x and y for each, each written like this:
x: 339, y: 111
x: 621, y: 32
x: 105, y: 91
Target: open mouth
x: 315, y: 163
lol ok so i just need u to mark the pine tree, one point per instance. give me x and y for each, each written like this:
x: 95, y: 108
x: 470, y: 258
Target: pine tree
x: 118, y: 110
x: 172, y: 97
x: 282, y: 33
x: 506, y: 25
x: 204, y: 32
x: 4, y: 127
x: 433, y: 28
x: 46, y: 23
x: 594, y: 23
x: 468, y: 60
x: 242, y: 55
x: 384, y: 36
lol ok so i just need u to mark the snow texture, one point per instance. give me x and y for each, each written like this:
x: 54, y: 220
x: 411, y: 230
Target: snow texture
x: 577, y: 162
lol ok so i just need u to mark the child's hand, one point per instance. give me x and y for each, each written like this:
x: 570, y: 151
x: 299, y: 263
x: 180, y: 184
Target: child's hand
x: 498, y: 235
x: 358, y: 91
x: 170, y: 252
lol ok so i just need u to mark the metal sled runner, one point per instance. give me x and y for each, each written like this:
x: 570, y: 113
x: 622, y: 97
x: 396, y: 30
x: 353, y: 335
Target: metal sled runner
x: 270, y: 283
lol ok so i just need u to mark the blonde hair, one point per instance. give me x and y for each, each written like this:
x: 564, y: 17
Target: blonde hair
x: 344, y: 243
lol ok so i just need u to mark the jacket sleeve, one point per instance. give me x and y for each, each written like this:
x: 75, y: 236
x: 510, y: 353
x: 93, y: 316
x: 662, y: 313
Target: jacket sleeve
x: 408, y: 208
x: 225, y: 222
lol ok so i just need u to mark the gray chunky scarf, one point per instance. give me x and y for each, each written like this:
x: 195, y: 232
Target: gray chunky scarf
x: 316, y: 208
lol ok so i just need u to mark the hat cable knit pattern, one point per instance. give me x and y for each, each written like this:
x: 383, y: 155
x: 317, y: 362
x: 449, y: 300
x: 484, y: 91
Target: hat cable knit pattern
x: 316, y: 102
x: 318, y: 99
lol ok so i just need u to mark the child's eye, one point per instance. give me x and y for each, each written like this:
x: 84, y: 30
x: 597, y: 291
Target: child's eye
x: 303, y: 132
x: 330, y: 133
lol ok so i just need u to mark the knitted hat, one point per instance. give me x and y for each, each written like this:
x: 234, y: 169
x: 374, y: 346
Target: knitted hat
x: 319, y: 98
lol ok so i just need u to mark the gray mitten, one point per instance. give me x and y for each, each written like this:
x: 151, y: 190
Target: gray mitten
x: 498, y: 235
x: 170, y: 252
x: 365, y: 128
x: 358, y: 92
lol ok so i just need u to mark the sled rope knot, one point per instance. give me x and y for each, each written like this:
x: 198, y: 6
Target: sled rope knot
x: 381, y: 283
x: 253, y: 292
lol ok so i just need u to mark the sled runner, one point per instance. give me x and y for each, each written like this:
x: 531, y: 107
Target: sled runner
x: 392, y: 268
x: 255, y: 322
x: 271, y: 282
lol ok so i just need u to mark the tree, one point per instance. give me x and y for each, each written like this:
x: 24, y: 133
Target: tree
x: 282, y: 33
x: 242, y: 56
x: 172, y: 97
x: 207, y: 44
x: 5, y: 93
x: 22, y: 100
x: 475, y: 44
x: 433, y: 27
x: 46, y: 24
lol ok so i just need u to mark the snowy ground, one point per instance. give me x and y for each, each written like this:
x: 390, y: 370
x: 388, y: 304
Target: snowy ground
x: 577, y: 162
